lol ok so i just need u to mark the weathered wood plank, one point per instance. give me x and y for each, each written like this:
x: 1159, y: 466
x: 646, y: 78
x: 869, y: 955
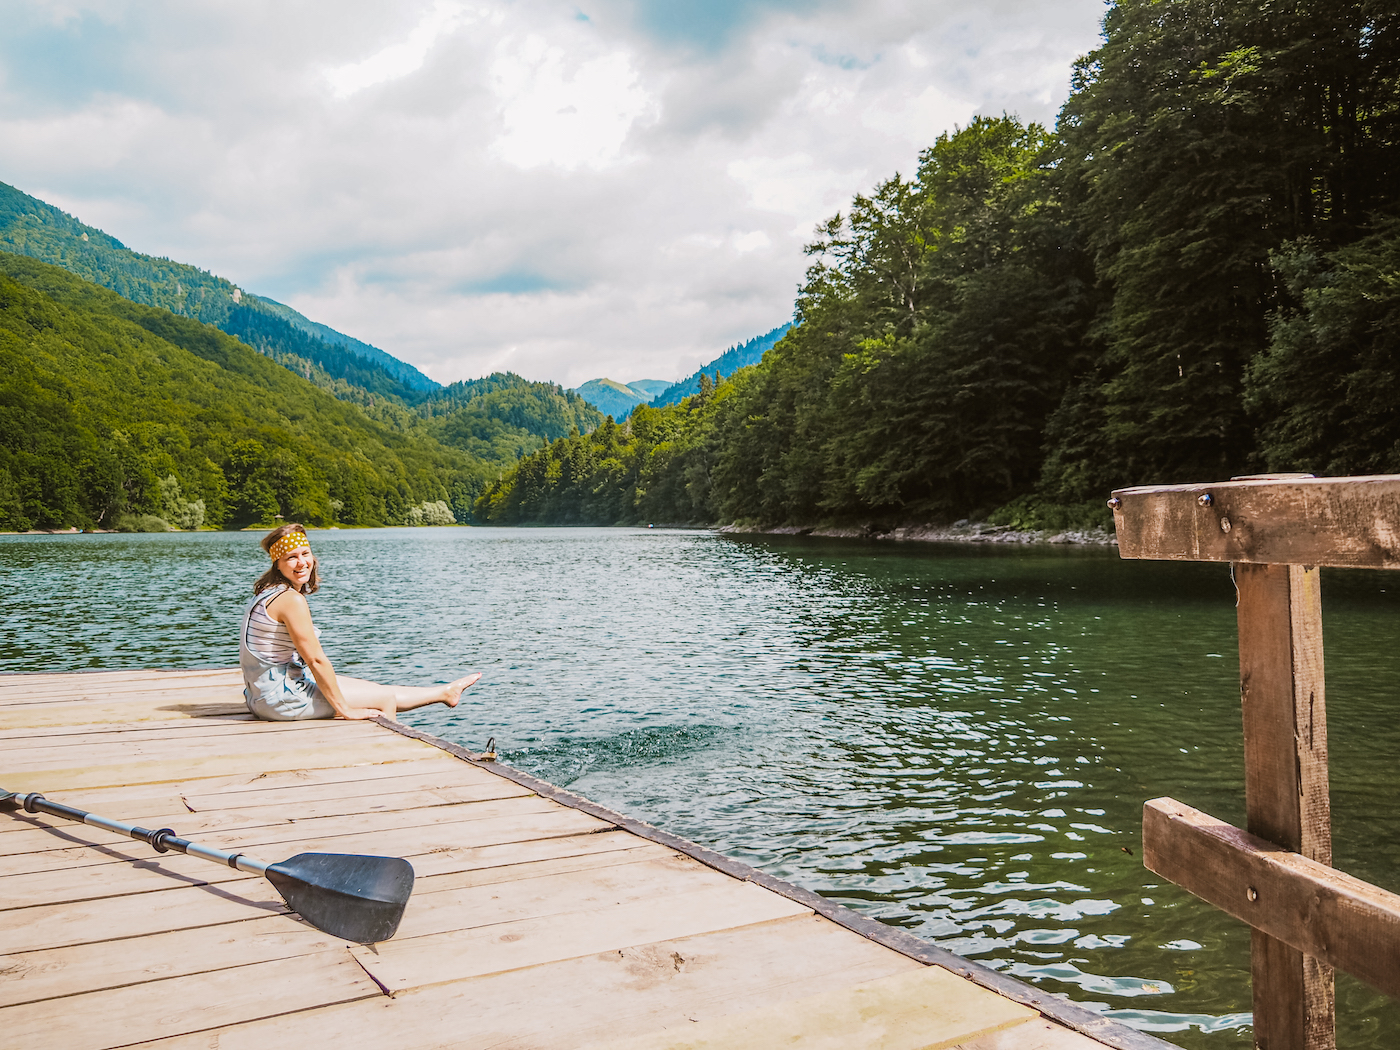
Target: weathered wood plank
x: 268, y: 736
x: 611, y: 994
x: 1345, y: 522
x: 132, y: 873
x: 1038, y: 1034
x: 1312, y: 908
x: 119, y: 711
x: 55, y: 972
x: 919, y: 1010
x: 190, y: 730
x: 438, y: 822
x: 45, y: 834
x: 181, y: 1005
x: 172, y: 905
x: 61, y: 680
x: 259, y: 788
x: 406, y: 963
x: 370, y: 752
x: 1285, y: 749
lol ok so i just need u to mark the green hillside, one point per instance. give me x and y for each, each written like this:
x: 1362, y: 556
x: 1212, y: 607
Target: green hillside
x: 347, y: 366
x: 111, y: 410
x: 617, y: 399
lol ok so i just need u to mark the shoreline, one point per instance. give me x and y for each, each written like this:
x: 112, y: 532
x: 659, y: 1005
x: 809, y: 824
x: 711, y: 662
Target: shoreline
x: 975, y: 532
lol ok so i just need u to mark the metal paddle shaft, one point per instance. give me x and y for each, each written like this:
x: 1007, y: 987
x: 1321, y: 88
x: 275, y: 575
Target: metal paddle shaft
x: 350, y: 896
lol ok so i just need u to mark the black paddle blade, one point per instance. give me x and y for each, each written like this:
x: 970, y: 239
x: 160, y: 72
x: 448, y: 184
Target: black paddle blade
x: 357, y: 898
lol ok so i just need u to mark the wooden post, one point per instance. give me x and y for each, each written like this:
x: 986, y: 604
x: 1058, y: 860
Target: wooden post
x: 1286, y: 798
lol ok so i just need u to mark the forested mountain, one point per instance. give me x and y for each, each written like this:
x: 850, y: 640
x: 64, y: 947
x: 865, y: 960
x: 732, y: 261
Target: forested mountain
x: 1196, y: 274
x: 729, y: 362
x: 335, y: 361
x: 617, y: 399
x: 496, y: 420
x: 112, y: 412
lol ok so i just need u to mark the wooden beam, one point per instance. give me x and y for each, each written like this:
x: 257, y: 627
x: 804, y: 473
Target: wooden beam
x: 1309, y: 907
x: 1345, y: 522
x: 1285, y: 775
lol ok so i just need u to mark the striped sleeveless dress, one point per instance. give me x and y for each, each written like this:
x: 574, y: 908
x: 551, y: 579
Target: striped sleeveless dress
x: 277, y: 686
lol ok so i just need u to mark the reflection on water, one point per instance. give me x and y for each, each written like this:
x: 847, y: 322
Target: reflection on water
x: 954, y: 740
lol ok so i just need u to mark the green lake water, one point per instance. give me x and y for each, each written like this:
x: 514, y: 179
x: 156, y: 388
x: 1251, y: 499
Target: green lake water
x: 954, y: 739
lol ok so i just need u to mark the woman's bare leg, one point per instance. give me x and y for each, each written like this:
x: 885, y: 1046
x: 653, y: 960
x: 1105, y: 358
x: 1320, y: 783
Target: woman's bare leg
x: 401, y: 697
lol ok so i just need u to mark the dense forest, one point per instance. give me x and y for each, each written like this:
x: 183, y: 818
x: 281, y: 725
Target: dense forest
x: 345, y: 366
x: 1194, y: 275
x: 736, y: 357
x: 115, y: 414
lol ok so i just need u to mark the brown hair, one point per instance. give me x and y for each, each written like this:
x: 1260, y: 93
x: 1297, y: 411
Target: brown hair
x: 274, y: 576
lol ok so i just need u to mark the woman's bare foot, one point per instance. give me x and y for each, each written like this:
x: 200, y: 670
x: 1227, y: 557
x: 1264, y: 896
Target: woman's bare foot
x: 453, y: 690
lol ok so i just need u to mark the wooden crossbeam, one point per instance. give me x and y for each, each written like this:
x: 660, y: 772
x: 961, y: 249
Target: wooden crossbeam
x: 1314, y: 909
x: 1297, y: 520
x: 1276, y: 530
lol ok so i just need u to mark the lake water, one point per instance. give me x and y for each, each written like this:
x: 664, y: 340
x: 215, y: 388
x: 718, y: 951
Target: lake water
x: 957, y: 740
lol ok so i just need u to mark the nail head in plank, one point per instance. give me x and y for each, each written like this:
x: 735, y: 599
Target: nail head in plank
x: 1342, y: 522
x: 1309, y: 907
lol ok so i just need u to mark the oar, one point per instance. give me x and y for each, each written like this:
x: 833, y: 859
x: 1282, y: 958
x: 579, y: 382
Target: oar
x: 349, y: 896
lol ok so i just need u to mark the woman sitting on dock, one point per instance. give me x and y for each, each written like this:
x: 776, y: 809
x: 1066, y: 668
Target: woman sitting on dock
x: 279, y: 644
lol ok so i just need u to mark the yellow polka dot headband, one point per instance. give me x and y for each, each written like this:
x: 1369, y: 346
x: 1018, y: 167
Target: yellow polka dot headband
x: 288, y: 543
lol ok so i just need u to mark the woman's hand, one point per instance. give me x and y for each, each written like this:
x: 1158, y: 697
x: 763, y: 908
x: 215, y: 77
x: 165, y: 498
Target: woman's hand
x: 291, y: 610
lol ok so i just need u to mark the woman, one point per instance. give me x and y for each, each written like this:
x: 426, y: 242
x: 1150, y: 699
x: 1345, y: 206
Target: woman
x: 279, y: 644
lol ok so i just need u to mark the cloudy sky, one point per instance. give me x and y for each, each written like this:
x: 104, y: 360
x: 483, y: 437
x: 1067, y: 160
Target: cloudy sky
x: 563, y: 190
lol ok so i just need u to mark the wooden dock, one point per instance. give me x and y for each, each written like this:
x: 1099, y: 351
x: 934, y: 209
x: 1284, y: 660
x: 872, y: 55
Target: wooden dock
x: 538, y: 920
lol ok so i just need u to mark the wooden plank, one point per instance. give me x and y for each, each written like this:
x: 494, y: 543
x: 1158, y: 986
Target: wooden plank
x: 120, y: 711
x: 1038, y: 1034
x: 181, y: 1005
x: 281, y: 786
x: 115, y: 679
x: 495, y: 904
x: 268, y: 736
x: 186, y: 729
x: 611, y: 994
x: 45, y: 833
x: 55, y: 972
x: 923, y: 1009
x: 1345, y: 522
x: 1314, y: 909
x: 402, y: 964
x: 438, y: 822
x: 174, y: 905
x: 1286, y: 797
x: 457, y: 844
x: 461, y: 780
x: 371, y: 752
x: 132, y: 694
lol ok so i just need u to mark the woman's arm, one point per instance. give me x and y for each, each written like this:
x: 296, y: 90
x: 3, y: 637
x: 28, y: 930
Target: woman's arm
x: 290, y: 609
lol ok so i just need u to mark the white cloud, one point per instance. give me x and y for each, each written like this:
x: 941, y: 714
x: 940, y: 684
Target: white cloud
x: 400, y: 59
x: 517, y: 185
x: 554, y: 114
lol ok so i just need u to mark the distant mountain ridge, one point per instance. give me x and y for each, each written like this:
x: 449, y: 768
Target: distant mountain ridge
x: 736, y: 357
x: 618, y: 399
x: 31, y: 227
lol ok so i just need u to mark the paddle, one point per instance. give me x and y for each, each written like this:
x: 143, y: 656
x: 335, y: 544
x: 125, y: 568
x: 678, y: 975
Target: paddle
x: 349, y: 896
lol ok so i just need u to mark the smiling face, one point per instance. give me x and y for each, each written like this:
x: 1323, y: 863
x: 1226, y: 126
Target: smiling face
x: 296, y: 565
